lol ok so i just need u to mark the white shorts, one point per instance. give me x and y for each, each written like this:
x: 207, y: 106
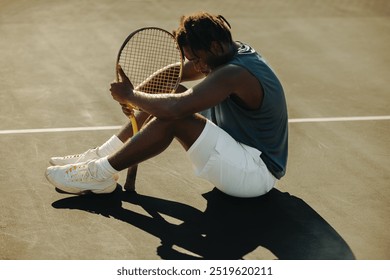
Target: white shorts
x: 234, y: 168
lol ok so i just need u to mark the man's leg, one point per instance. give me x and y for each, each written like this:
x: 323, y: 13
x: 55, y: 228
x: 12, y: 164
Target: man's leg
x: 155, y: 137
x: 125, y: 134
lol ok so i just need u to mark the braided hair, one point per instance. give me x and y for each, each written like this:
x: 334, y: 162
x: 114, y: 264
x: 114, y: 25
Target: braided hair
x: 199, y: 30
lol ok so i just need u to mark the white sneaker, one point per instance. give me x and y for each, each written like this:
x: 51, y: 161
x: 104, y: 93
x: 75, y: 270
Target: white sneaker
x: 91, y: 154
x: 79, y: 178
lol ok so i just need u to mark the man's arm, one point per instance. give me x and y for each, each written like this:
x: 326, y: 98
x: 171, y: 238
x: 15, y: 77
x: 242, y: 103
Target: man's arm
x: 216, y: 87
x: 190, y: 73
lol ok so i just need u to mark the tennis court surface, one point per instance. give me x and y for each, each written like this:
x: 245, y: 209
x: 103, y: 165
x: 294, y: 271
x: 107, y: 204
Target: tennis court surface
x: 57, y: 60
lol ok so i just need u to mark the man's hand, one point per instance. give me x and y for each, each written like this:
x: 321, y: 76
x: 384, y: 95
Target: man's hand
x: 122, y: 90
x: 127, y: 109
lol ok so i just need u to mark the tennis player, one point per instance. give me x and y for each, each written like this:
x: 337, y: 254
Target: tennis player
x: 241, y: 147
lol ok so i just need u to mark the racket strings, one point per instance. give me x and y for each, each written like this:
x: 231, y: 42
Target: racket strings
x: 152, y: 61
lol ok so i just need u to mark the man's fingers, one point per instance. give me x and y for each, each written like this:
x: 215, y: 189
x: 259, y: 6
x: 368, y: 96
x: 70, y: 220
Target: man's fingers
x: 122, y: 74
x: 127, y: 109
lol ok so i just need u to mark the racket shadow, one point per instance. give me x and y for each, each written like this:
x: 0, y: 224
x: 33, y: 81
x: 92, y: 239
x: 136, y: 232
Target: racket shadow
x: 229, y: 228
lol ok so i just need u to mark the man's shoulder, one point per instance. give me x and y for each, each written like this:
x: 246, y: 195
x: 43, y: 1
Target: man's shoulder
x: 230, y: 72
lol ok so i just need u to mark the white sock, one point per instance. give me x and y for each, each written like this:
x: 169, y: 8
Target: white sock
x: 110, y: 147
x: 104, y: 169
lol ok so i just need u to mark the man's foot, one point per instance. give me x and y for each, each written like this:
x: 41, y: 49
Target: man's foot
x: 80, y: 178
x: 91, y: 154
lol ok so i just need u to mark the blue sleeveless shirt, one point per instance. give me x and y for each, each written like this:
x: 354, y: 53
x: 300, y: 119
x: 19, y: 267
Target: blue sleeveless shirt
x: 266, y: 128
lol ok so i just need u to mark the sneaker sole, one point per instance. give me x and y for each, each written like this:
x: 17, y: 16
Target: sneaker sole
x: 69, y: 190
x: 77, y: 191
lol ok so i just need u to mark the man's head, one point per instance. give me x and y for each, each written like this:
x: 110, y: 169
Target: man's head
x: 207, y: 37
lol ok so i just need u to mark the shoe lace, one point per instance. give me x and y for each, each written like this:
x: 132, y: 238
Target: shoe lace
x: 79, y: 155
x: 73, y: 156
x: 78, y: 173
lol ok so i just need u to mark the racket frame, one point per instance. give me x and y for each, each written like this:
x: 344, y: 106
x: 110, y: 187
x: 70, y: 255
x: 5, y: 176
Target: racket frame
x: 128, y: 38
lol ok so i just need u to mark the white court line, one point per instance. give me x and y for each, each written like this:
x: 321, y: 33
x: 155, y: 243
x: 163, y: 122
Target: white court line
x: 340, y: 119
x: 64, y: 129
x: 116, y: 127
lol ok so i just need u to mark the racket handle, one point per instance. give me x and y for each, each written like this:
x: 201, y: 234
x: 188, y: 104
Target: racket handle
x: 132, y: 171
x: 133, y: 123
x: 130, y: 179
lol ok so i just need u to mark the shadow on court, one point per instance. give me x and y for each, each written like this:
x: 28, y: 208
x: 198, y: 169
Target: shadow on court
x: 229, y: 228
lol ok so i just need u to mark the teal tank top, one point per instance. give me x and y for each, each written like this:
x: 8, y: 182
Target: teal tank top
x: 266, y: 128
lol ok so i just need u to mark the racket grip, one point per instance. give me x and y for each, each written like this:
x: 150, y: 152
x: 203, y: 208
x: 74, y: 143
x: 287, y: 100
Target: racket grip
x: 133, y: 123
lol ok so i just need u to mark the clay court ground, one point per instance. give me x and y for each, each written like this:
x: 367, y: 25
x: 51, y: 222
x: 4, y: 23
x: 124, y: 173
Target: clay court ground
x: 57, y: 60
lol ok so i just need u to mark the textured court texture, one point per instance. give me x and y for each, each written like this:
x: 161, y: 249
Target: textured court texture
x: 57, y: 61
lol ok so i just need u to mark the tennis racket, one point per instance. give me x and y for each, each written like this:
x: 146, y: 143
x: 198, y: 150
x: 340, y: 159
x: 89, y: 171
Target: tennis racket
x: 151, y: 59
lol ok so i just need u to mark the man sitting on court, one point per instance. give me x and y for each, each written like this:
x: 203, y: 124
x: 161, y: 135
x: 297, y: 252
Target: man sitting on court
x: 241, y: 148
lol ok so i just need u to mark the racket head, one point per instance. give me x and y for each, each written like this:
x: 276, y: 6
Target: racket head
x: 152, y: 60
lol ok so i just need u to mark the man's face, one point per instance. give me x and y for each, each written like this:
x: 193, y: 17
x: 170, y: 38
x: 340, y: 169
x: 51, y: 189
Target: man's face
x: 207, y: 61
x: 199, y: 59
